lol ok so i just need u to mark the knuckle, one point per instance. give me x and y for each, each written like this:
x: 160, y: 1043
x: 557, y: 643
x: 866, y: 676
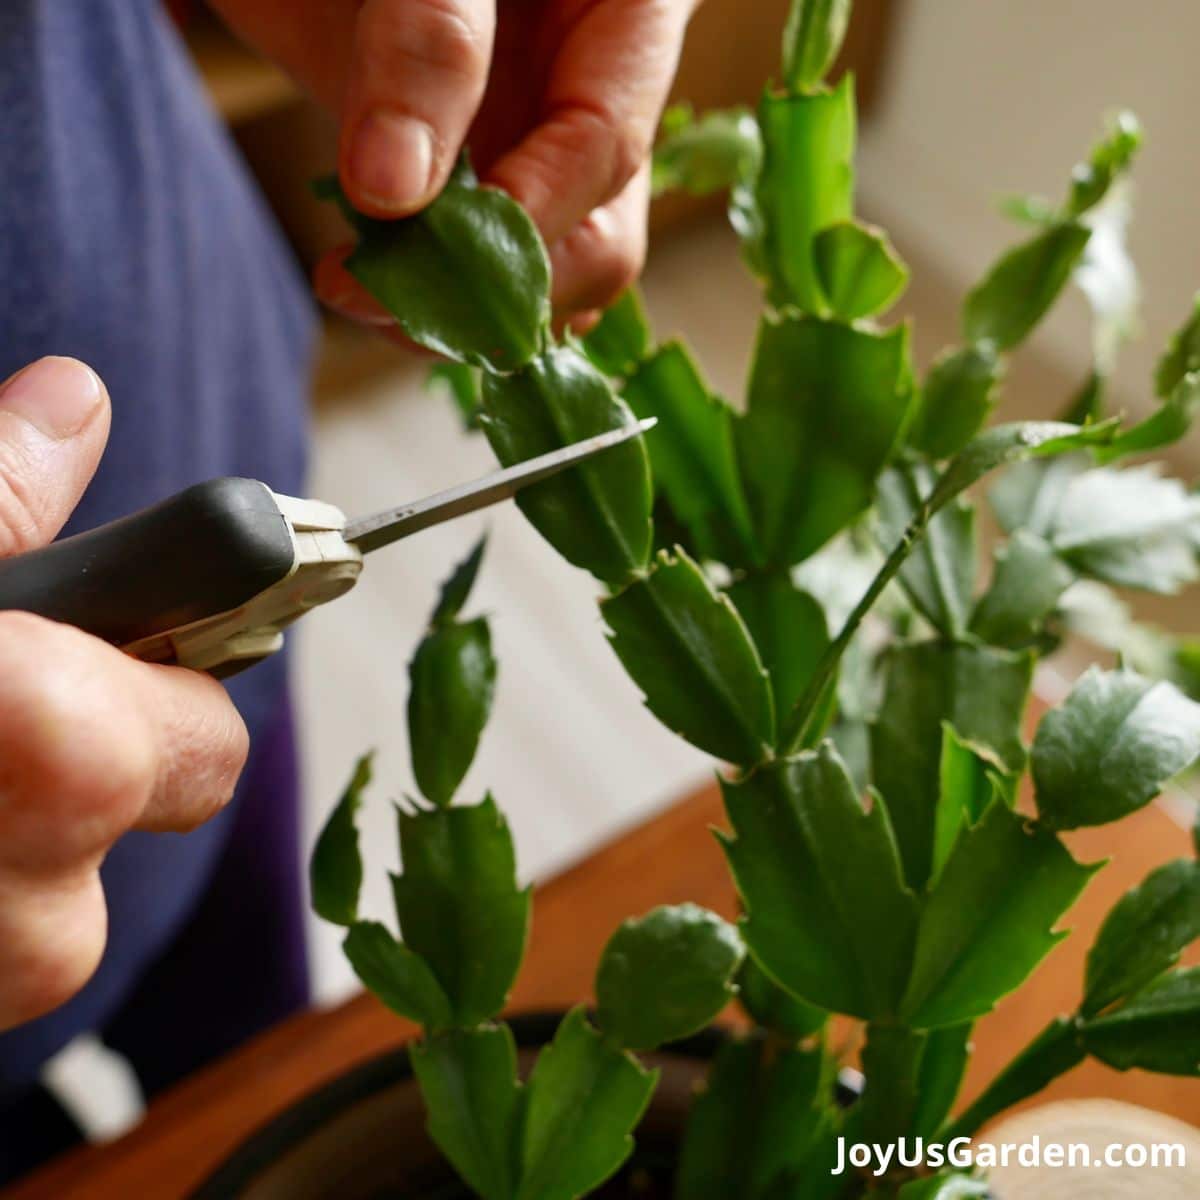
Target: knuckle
x: 22, y: 505
x: 209, y: 745
x: 79, y: 761
x: 432, y: 36
x: 605, y: 144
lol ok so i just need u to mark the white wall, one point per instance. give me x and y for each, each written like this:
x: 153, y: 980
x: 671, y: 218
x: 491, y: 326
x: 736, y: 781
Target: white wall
x: 989, y: 97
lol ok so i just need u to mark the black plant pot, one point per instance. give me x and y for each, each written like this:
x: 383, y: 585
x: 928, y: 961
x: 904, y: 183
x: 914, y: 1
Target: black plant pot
x: 362, y: 1137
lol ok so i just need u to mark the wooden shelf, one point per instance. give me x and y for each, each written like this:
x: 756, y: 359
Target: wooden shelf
x: 243, y: 86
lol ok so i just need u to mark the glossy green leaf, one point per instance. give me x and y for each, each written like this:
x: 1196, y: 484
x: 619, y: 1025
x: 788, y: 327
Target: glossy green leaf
x: 468, y: 276
x: 621, y: 338
x: 812, y: 37
x: 1131, y: 528
x: 335, y: 872
x: 958, y: 394
x: 685, y: 646
x: 939, y: 574
x: 859, y: 270
x: 788, y: 627
x: 827, y: 405
x: 462, y: 384
x: 395, y: 975
x: 1027, y: 495
x: 979, y: 691
x: 582, y: 1102
x: 990, y: 918
x: 1005, y: 306
x: 1182, y: 356
x: 452, y: 677
x: 1110, y: 157
x: 1002, y: 445
x: 1156, y: 1030
x: 943, y: 1064
x: 706, y: 154
x: 458, y: 586
x: 944, y: 1186
x: 1026, y: 585
x: 1144, y: 935
x: 1054, y: 1052
x: 827, y: 915
x: 773, y: 1008
x: 692, y: 453
x: 468, y: 1080
x: 966, y: 786
x: 1163, y: 427
x: 459, y: 905
x: 666, y: 975
x: 1110, y: 747
x: 806, y: 184
x: 597, y: 515
x: 762, y: 1115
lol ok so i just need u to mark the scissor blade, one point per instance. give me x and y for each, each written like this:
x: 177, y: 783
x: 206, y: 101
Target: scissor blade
x: 383, y: 528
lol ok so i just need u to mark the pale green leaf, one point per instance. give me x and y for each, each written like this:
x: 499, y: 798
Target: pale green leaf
x: 468, y: 1080
x: 692, y: 453
x: 1156, y: 1030
x: 1110, y: 747
x: 736, y: 1148
x: 666, y: 975
x: 978, y: 690
x: 468, y: 276
x: 939, y: 574
x: 1027, y: 583
x: 685, y: 646
x: 1182, y: 356
x: 958, y: 394
x: 827, y: 405
x: 458, y: 586
x: 788, y: 627
x: 1144, y: 934
x: 452, y: 677
x: 706, y: 154
x: 335, y: 871
x: 806, y: 184
x: 827, y: 915
x: 773, y: 1008
x: 396, y: 976
x: 582, y: 1102
x: 859, y: 270
x: 990, y: 918
x: 812, y: 38
x: 596, y: 515
x: 459, y: 905
x: 621, y: 338
x: 1006, y: 305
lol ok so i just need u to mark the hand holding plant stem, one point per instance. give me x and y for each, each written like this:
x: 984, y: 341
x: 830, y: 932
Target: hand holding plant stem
x: 874, y: 738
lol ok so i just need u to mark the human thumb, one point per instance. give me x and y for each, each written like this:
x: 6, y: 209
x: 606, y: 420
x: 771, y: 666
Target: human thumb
x: 54, y: 417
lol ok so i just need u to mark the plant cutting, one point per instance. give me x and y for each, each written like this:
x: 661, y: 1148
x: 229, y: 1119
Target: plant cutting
x: 797, y: 587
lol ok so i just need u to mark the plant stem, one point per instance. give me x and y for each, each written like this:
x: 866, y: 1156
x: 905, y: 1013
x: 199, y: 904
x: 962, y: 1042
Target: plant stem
x: 1053, y: 1052
x: 799, y: 732
x: 891, y: 1064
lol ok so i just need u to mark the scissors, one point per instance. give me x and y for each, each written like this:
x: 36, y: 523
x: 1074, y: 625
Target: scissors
x: 211, y: 577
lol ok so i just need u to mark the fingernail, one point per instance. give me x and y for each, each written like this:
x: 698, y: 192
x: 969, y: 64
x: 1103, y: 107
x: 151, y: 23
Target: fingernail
x: 391, y: 161
x: 57, y: 396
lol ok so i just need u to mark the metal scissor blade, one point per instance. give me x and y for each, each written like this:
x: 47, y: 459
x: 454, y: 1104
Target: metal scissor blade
x: 383, y: 528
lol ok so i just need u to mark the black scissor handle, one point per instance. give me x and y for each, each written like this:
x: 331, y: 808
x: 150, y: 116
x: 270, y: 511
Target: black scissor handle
x: 204, y: 551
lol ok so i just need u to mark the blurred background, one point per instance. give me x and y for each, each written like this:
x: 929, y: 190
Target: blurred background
x: 961, y: 104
